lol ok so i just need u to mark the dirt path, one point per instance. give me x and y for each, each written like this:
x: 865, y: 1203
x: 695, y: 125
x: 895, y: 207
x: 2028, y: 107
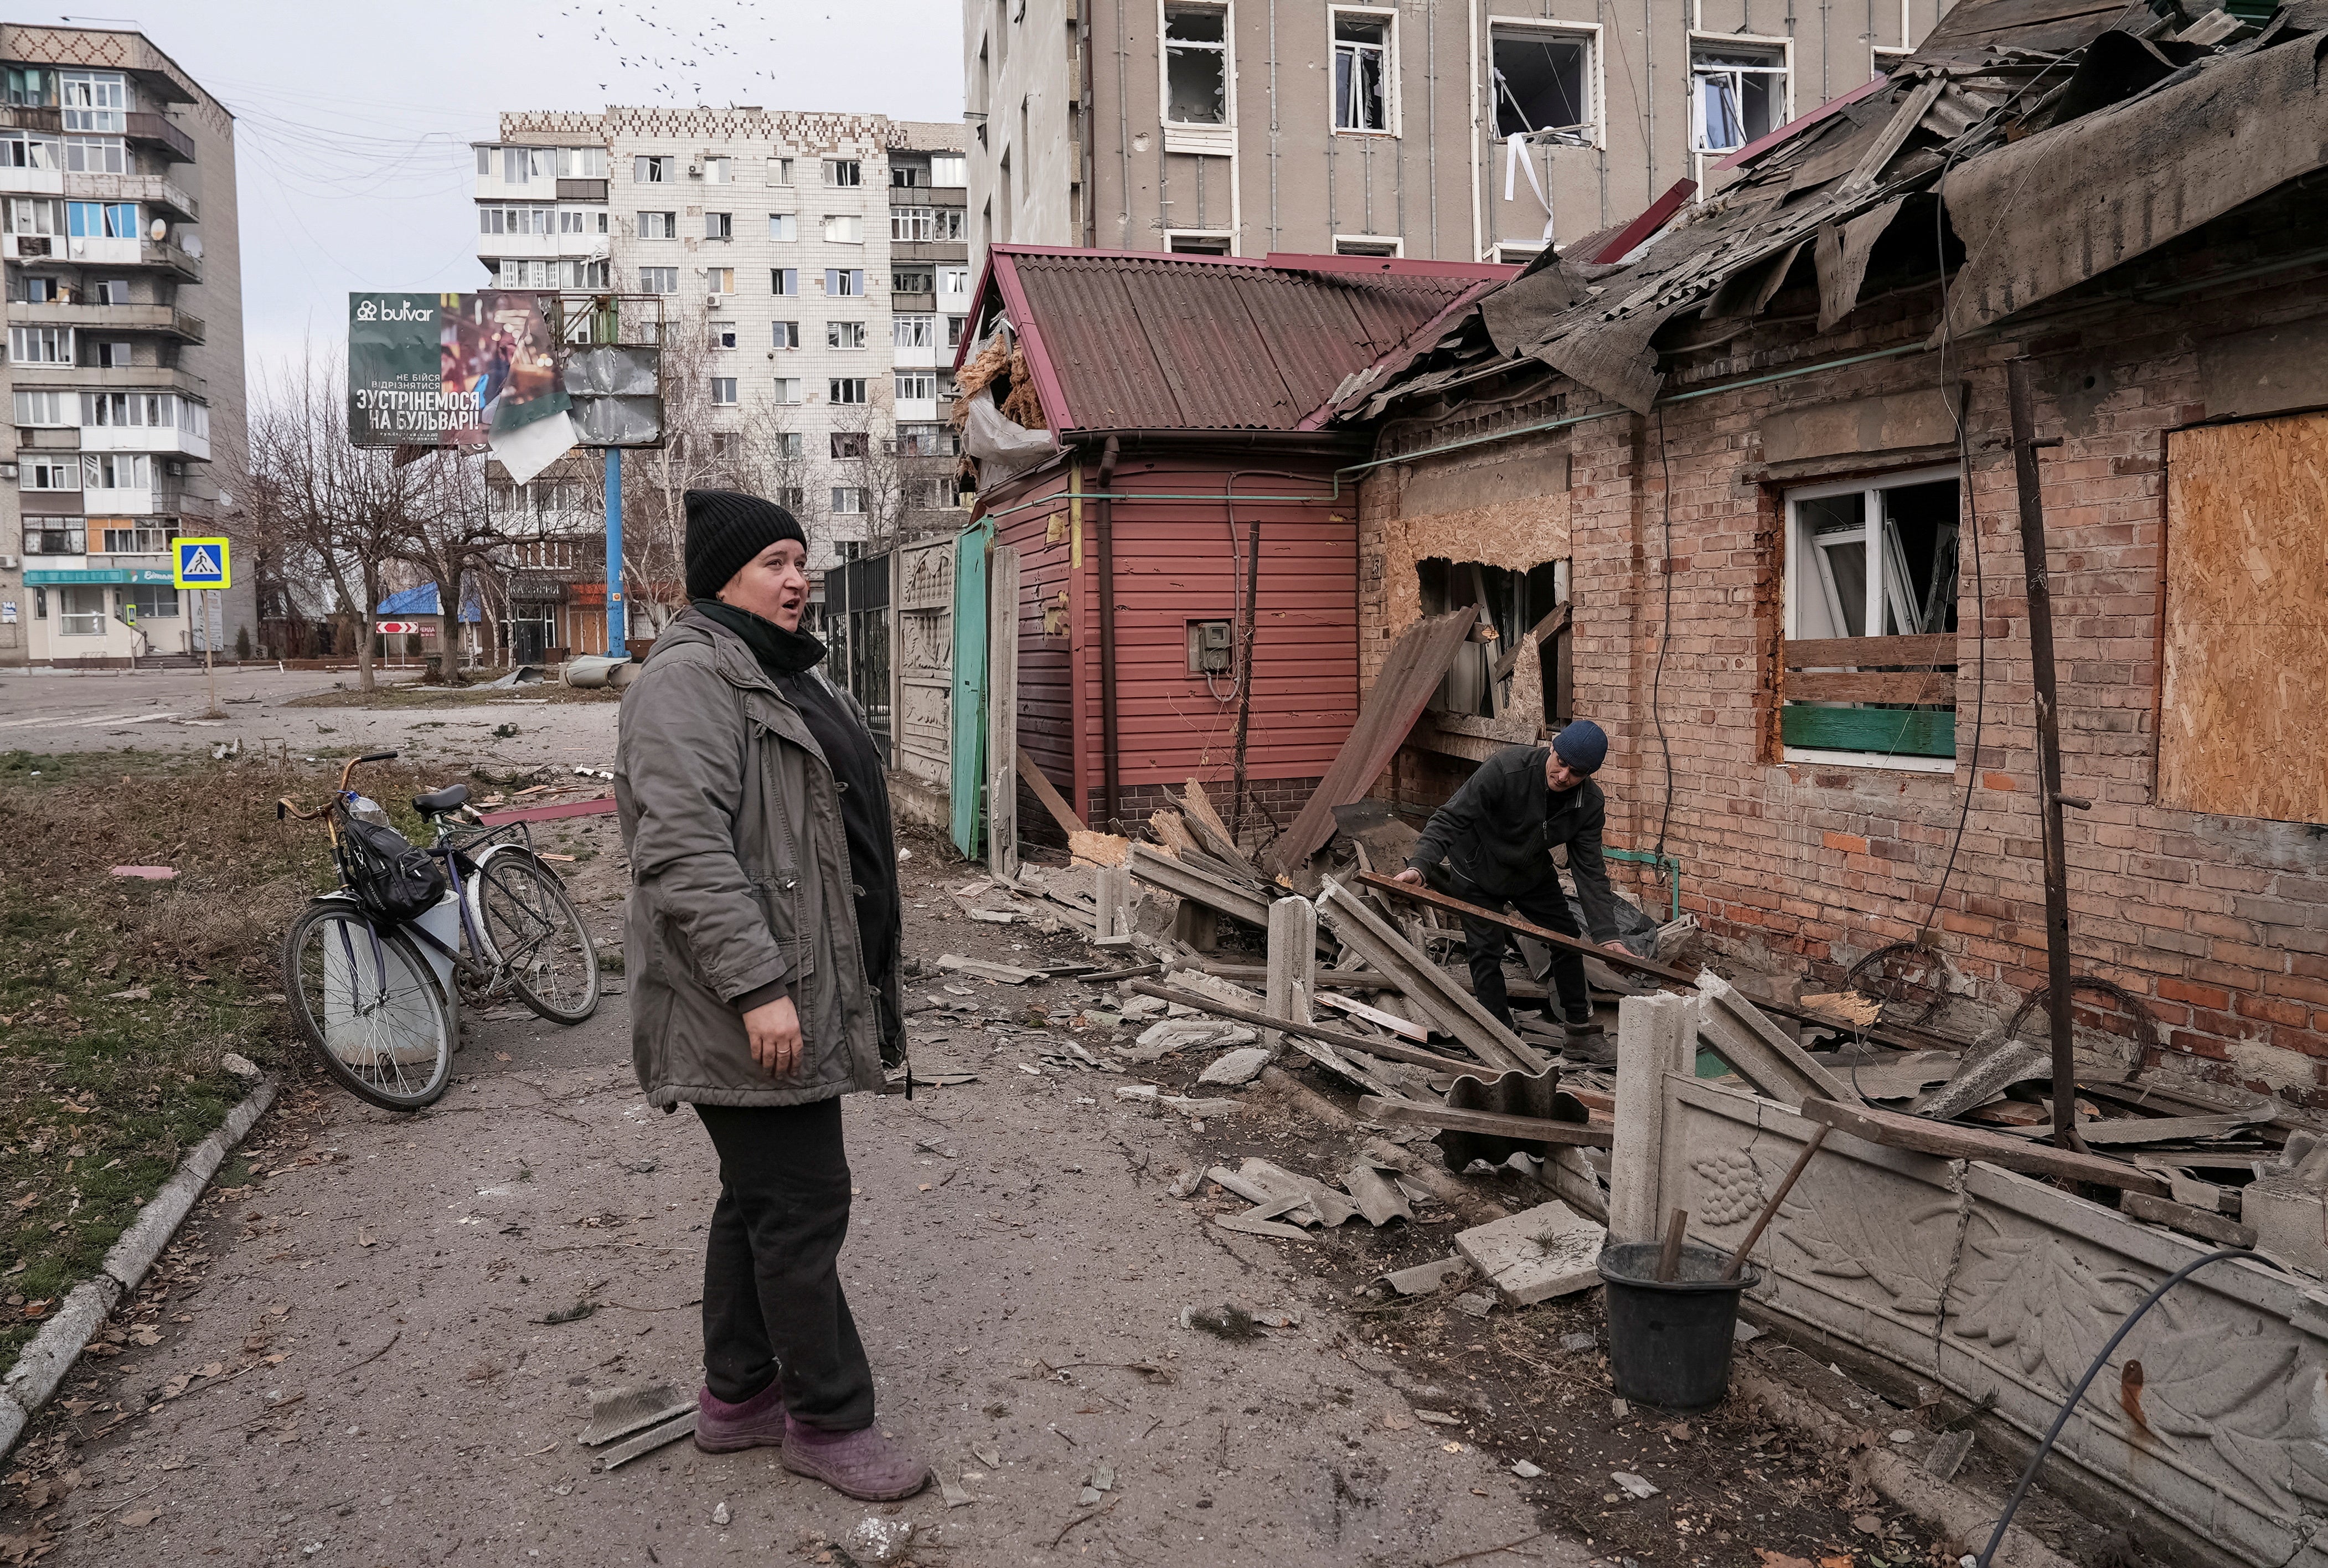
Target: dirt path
x: 1016, y: 1262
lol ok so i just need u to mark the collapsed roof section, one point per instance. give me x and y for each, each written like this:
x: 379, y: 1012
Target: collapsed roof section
x: 2063, y: 139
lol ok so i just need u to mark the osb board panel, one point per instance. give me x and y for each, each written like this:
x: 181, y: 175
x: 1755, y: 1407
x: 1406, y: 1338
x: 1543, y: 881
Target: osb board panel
x: 2246, y: 621
x: 1513, y: 534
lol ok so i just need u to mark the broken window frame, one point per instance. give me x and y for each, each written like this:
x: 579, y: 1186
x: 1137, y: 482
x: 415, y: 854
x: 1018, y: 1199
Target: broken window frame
x: 1195, y: 53
x: 1358, y: 112
x: 1199, y: 242
x: 1715, y: 58
x: 1521, y: 31
x: 1376, y: 245
x: 1888, y: 601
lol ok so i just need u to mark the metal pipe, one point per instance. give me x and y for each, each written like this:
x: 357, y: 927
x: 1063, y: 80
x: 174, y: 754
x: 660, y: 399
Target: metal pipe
x: 1103, y: 529
x: 2019, y: 401
x: 615, y: 615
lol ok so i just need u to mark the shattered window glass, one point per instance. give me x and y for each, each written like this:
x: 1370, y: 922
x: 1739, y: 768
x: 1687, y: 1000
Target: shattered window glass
x: 1361, y: 73
x: 1739, y: 95
x: 1542, y: 81
x: 1197, y: 65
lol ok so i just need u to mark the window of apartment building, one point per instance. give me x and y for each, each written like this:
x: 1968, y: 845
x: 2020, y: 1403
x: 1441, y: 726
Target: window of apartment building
x: 954, y: 280
x: 793, y: 498
x: 845, y: 389
x: 96, y: 155
x: 780, y: 171
x: 41, y: 345
x: 582, y: 220
x: 581, y: 163
x: 955, y: 325
x: 913, y: 331
x: 586, y: 275
x: 152, y: 603
x: 932, y: 494
x: 110, y: 291
x: 58, y: 471
x: 30, y: 150
x: 116, y: 470
x: 847, y: 445
x: 81, y: 612
x: 156, y: 411
x: 783, y: 226
x: 35, y: 215
x: 656, y: 170
x: 908, y: 176
x: 658, y: 225
x: 949, y: 169
x: 926, y: 440
x: 658, y: 280
x: 911, y: 225
x: 54, y: 536
x: 1882, y: 62
x: 848, y: 500
x: 843, y: 172
x: 132, y: 538
x: 844, y: 335
x: 1544, y: 79
x: 523, y: 165
x: 101, y: 220
x: 1366, y: 69
x: 845, y: 281
x: 718, y: 171
x: 514, y: 219
x: 720, y: 225
x: 1738, y: 93
x: 910, y: 280
x: 45, y: 409
x: 30, y: 86
x: 1870, y: 581
x: 46, y: 291
x: 537, y: 274
x: 784, y: 334
x: 917, y: 386
x: 1197, y: 244
x: 844, y: 229
x: 788, y: 389
x: 1368, y: 245
x: 788, y: 444
x: 723, y: 391
x: 1196, y: 63
x: 719, y: 280
x: 94, y: 100
x: 784, y: 280
x: 723, y: 337
x: 114, y: 356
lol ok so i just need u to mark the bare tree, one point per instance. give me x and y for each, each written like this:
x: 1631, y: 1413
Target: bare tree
x: 865, y: 456
x: 448, y: 538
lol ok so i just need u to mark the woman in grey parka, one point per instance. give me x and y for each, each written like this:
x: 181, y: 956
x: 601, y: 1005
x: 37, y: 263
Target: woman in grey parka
x: 763, y: 940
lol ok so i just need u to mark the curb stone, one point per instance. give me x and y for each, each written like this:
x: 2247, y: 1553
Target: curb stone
x: 42, y: 1365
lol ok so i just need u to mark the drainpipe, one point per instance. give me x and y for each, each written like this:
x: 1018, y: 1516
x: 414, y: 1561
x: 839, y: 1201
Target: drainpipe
x: 1103, y: 527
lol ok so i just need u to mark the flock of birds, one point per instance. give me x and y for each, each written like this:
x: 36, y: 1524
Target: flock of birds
x: 639, y: 40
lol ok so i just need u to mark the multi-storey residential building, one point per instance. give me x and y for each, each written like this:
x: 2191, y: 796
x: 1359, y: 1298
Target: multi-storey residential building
x: 124, y: 346
x: 814, y: 270
x: 1245, y: 127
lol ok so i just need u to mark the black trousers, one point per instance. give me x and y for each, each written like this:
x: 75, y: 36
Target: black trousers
x: 1484, y: 945
x: 771, y: 1300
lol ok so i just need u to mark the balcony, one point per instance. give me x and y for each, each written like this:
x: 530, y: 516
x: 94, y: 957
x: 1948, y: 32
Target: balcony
x: 582, y: 190
x: 103, y: 379
x: 907, y: 301
x: 153, y: 130
x: 155, y: 193
x: 111, y: 253
x: 163, y: 441
x: 112, y: 318
x: 26, y: 118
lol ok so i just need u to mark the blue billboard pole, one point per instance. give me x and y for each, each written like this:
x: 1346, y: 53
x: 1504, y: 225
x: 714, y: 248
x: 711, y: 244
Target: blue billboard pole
x: 614, y: 608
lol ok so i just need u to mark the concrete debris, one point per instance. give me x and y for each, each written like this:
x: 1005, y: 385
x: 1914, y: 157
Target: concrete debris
x: 719, y: 1514
x: 1745, y: 1333
x: 1476, y: 1303
x: 1185, y: 1185
x: 241, y: 1066
x: 874, y: 1539
x: 1578, y: 1342
x: 1150, y: 1094
x: 954, y: 1497
x: 1547, y: 1251
x: 1639, y: 1485
x: 1379, y: 1200
x: 1947, y: 1455
x: 1238, y: 1067
x: 991, y: 1458
x: 999, y: 973
x: 620, y: 1412
x: 1422, y: 1278
x: 1525, y: 1470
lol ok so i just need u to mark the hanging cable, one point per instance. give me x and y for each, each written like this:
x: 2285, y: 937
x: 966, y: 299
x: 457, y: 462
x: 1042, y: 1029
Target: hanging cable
x: 1664, y: 641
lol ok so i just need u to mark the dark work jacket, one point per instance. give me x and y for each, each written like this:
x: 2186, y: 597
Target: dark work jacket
x: 1498, y: 832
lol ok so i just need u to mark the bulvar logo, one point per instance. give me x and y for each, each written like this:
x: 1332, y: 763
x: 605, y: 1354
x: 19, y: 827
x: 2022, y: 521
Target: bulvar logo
x: 371, y: 310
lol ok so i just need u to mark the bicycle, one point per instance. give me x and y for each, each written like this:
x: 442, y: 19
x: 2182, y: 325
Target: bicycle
x: 378, y: 999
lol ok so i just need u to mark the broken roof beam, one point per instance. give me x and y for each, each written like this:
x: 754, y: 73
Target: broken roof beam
x: 1449, y: 1009
x: 1204, y: 888
x: 1950, y: 1140
x: 1736, y: 1030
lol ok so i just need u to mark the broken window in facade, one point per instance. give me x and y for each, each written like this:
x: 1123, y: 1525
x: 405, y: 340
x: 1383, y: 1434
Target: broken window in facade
x: 1517, y: 603
x: 1544, y: 80
x: 1196, y: 64
x: 1873, y: 562
x: 1363, y: 69
x: 1739, y: 94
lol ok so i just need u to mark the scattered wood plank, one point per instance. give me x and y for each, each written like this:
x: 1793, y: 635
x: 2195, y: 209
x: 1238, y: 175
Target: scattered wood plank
x: 999, y: 973
x: 1171, y: 830
x: 1452, y: 1010
x: 1552, y: 625
x: 1494, y: 1123
x: 1389, y: 1051
x: 1948, y: 1140
x: 1190, y: 882
x: 2194, y: 1221
x: 1212, y: 833
x: 1375, y: 1016
x: 1052, y: 801
x: 1098, y: 848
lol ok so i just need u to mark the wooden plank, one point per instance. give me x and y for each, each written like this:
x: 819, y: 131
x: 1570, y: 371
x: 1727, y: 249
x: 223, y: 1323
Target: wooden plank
x: 1552, y: 625
x: 1862, y: 653
x: 1048, y: 793
x: 1387, y: 1050
x: 1891, y: 731
x: 1495, y: 1123
x: 1946, y: 1140
x: 1870, y: 686
x: 1411, y: 672
x: 1209, y: 831
x: 1201, y: 886
x: 1452, y: 1010
x: 1420, y: 894
x: 1375, y: 1016
x: 2195, y: 1222
x: 2246, y: 636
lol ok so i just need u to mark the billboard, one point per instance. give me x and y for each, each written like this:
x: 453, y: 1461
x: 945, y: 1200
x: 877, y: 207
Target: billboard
x: 443, y: 370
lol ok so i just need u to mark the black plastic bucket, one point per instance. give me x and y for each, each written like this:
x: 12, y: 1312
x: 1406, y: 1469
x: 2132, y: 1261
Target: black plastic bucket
x: 1670, y: 1342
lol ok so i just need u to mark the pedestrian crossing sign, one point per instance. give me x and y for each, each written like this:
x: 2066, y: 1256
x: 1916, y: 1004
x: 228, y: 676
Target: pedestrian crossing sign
x: 199, y: 563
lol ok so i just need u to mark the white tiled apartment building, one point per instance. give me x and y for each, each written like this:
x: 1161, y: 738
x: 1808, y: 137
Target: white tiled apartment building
x: 823, y: 255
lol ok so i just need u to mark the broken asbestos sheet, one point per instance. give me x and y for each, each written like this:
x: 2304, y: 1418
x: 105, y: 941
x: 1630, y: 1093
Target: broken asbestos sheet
x: 1547, y: 1251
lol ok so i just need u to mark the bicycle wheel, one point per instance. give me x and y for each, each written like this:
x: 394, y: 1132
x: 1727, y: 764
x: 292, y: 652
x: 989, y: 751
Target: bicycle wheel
x: 534, y: 931
x: 369, y: 1004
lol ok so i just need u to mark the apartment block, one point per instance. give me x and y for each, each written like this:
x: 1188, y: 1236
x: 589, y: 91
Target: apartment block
x: 814, y: 273
x: 1245, y: 127
x: 125, y: 373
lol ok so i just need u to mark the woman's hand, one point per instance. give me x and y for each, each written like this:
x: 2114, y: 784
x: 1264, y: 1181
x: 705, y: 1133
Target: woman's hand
x: 775, y: 1031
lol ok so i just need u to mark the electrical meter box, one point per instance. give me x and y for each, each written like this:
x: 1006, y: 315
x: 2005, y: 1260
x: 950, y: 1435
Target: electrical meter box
x: 1209, y: 644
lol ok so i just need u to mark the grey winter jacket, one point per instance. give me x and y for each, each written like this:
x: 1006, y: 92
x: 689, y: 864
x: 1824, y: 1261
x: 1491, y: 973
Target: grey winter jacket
x: 740, y: 879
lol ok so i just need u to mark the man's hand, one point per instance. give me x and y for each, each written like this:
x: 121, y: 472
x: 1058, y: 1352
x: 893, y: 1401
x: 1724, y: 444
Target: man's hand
x: 1410, y: 877
x: 774, y: 1030
x: 1621, y: 949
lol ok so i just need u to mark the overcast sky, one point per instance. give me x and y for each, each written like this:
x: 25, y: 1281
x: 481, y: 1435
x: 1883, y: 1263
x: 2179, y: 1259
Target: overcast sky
x: 354, y: 118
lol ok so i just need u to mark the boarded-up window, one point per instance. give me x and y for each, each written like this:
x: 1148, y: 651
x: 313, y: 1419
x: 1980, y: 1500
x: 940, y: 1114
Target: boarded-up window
x: 2246, y: 621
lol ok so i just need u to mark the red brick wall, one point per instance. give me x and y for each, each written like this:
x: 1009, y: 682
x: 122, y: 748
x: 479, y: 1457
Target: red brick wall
x: 2220, y: 923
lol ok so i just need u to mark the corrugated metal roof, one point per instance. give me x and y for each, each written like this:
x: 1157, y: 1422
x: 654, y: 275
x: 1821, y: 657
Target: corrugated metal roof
x: 1148, y: 341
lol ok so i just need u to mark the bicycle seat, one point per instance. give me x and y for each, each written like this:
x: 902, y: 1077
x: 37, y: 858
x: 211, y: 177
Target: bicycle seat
x: 450, y: 798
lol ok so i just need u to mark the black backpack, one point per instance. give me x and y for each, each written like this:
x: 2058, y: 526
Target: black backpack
x: 394, y: 879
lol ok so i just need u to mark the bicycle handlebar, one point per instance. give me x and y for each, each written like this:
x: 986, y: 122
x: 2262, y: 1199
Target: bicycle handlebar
x: 368, y: 757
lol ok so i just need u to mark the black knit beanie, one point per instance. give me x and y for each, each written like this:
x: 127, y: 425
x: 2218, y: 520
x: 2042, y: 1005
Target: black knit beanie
x: 725, y: 530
